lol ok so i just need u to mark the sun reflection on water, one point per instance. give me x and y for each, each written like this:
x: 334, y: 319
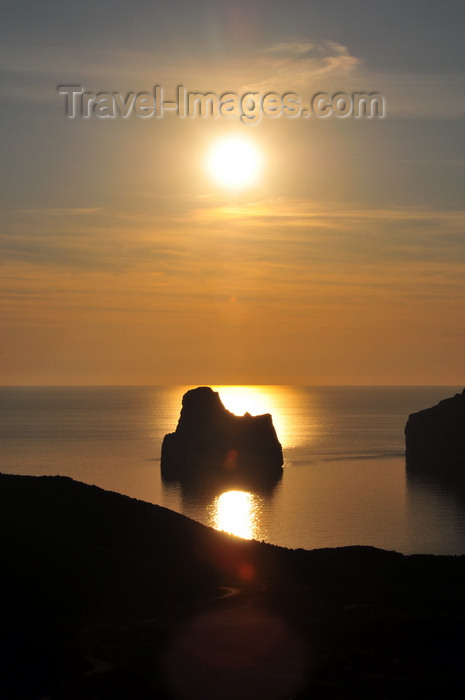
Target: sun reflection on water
x: 237, y: 512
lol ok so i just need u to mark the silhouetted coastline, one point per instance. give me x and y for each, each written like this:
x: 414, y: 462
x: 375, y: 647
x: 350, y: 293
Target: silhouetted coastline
x: 104, y: 596
x: 435, y: 445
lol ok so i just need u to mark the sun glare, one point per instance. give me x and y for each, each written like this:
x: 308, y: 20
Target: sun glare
x: 241, y: 399
x: 234, y: 163
x: 257, y: 400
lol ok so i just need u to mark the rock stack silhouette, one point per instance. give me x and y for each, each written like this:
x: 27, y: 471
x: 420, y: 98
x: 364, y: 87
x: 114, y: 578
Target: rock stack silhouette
x: 210, y: 440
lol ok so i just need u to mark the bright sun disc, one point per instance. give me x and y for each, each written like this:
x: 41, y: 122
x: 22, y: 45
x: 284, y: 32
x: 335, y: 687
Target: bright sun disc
x: 234, y: 163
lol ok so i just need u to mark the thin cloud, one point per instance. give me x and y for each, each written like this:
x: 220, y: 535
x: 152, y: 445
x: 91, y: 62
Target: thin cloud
x: 297, y: 65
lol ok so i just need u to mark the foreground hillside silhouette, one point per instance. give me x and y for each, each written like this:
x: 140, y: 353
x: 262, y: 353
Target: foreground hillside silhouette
x: 103, y: 596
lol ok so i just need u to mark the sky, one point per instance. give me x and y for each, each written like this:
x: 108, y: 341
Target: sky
x: 123, y: 261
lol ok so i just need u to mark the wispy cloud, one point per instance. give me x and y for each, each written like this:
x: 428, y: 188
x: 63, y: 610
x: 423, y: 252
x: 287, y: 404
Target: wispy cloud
x: 296, y: 65
x: 234, y: 280
x: 280, y: 248
x: 60, y: 211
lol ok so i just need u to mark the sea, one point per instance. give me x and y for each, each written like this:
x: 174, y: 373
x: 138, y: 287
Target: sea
x: 344, y: 480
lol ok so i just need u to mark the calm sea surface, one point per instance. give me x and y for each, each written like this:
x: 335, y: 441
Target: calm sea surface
x: 344, y: 479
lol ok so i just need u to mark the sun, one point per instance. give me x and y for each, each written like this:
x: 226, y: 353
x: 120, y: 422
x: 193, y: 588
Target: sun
x: 234, y: 163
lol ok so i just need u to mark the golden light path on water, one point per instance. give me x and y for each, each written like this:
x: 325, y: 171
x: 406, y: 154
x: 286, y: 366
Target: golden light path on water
x: 237, y: 512
x: 241, y: 512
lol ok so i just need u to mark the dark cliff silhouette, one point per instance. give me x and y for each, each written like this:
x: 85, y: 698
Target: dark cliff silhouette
x: 211, y: 442
x: 435, y: 440
x: 106, y: 597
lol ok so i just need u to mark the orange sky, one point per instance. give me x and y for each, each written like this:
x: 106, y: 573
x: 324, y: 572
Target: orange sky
x: 269, y: 290
x: 123, y: 262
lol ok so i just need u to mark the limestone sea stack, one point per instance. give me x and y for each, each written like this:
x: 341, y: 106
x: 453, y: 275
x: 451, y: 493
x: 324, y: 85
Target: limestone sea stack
x: 210, y: 440
x: 435, y: 439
